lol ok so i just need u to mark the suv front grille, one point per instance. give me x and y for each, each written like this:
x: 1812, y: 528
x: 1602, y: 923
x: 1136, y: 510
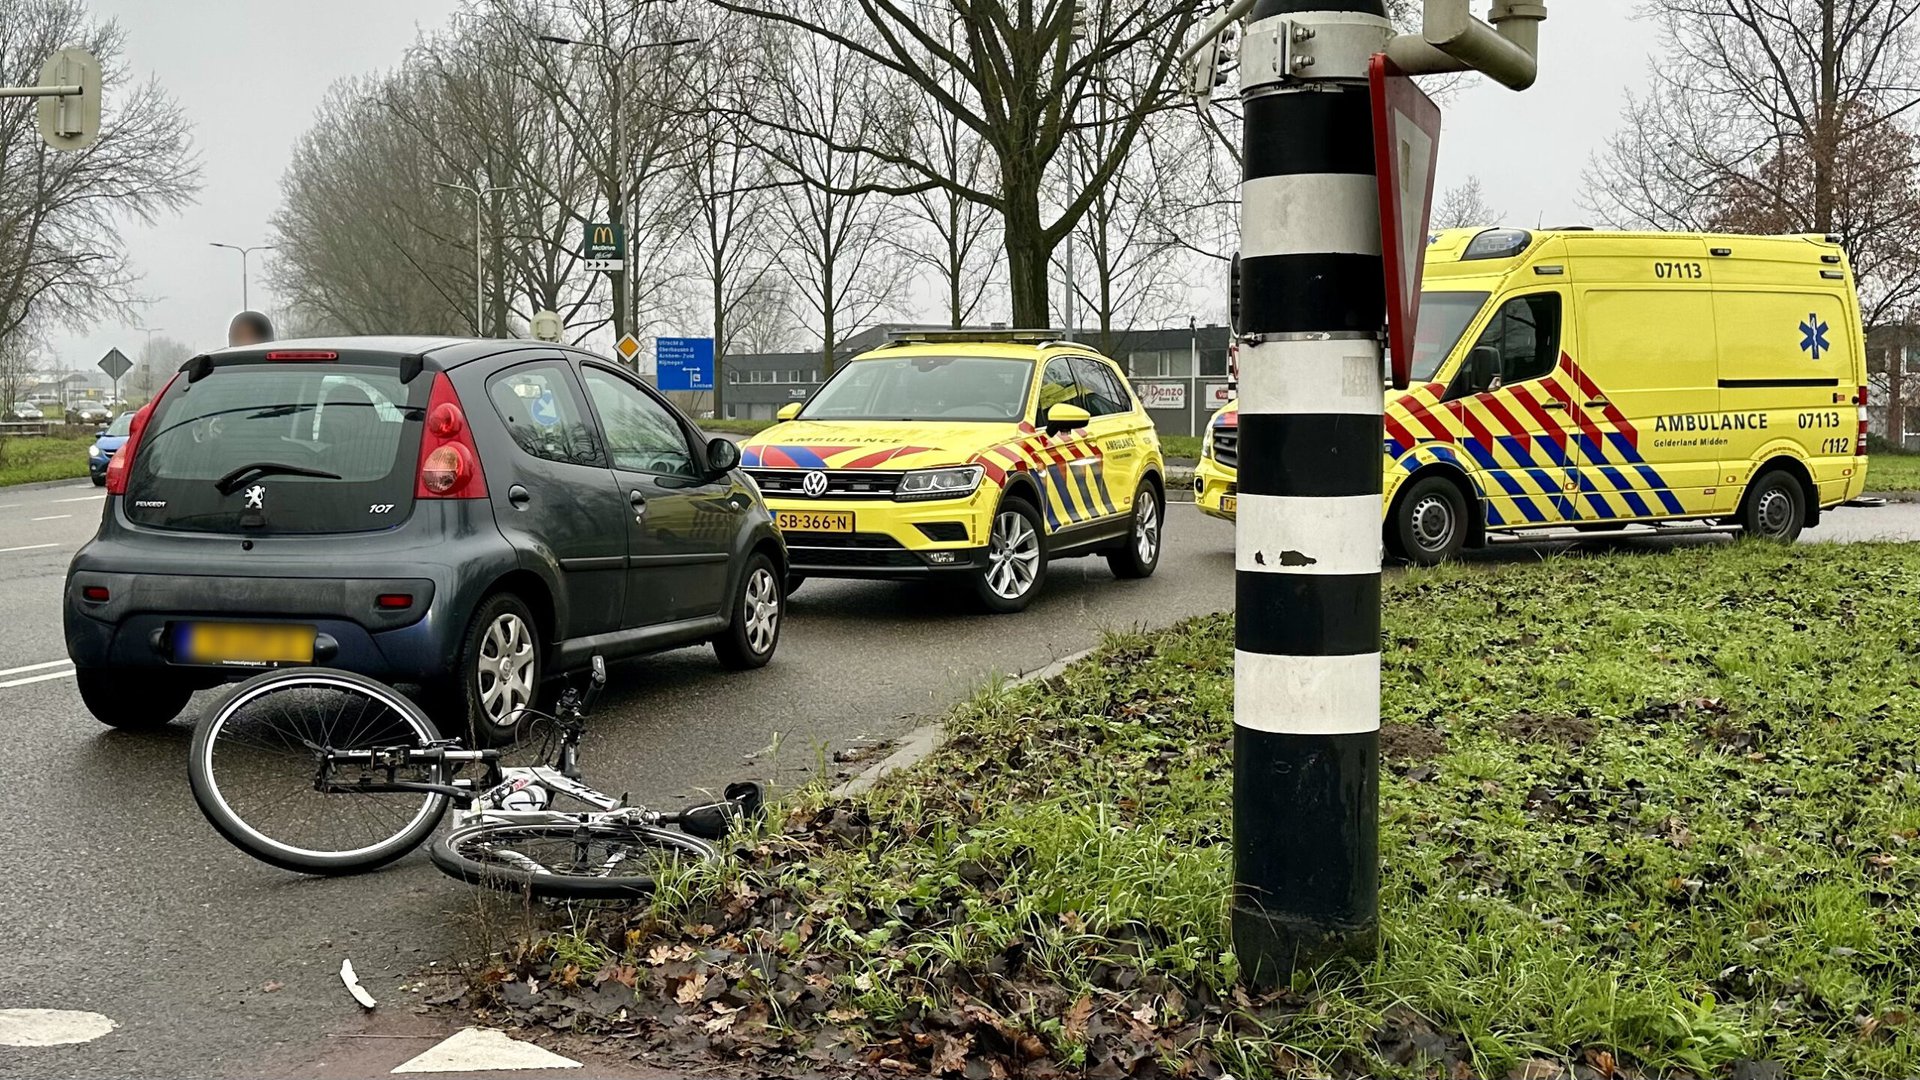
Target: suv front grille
x: 841, y: 483
x: 1226, y: 447
x: 848, y: 549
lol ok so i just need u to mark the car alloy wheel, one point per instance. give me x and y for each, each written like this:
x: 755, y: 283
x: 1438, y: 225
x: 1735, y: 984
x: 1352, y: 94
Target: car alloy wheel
x: 761, y: 610
x: 1146, y: 528
x: 1013, y: 556
x: 506, y: 669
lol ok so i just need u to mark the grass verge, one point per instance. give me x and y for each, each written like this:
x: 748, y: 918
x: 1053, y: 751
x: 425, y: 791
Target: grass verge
x: 1184, y: 447
x: 1893, y: 471
x: 1643, y: 815
x: 736, y: 427
x: 59, y: 456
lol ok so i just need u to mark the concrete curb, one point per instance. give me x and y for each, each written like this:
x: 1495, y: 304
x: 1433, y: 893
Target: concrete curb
x: 46, y: 485
x: 917, y: 745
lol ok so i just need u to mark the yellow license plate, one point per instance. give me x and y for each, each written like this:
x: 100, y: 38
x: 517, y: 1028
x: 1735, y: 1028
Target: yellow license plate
x: 831, y: 521
x: 1229, y: 504
x: 246, y: 644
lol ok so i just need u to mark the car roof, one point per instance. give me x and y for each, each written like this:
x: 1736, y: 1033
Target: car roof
x: 1010, y: 350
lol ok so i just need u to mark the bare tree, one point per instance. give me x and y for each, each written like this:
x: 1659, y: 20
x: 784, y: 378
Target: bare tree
x: 62, y: 211
x: 840, y: 270
x: 159, y: 358
x: 1758, y: 106
x: 1465, y: 206
x: 1024, y: 69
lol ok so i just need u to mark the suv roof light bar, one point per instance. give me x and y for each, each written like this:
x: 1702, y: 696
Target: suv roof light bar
x: 1017, y: 337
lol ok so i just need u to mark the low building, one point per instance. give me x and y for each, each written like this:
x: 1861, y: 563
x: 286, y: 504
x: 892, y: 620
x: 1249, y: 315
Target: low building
x: 1179, y: 373
x: 1893, y: 393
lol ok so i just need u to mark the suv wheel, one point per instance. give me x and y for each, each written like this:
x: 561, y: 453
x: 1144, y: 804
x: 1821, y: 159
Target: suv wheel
x: 1141, y: 555
x: 1016, y: 559
x: 754, y: 631
x: 131, y: 700
x: 499, y: 669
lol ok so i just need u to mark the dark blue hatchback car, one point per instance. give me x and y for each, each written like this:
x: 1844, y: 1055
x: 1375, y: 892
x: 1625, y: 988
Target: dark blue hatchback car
x: 108, y: 443
x: 471, y: 517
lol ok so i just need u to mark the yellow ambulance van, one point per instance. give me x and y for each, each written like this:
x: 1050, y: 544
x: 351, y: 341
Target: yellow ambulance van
x: 1609, y: 381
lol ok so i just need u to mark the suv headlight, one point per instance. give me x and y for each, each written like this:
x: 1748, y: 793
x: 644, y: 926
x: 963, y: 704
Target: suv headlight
x: 94, y: 451
x: 1206, y: 444
x: 940, y: 483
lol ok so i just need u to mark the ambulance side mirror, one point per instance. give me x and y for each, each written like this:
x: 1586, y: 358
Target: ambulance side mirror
x: 788, y: 411
x: 1484, y: 367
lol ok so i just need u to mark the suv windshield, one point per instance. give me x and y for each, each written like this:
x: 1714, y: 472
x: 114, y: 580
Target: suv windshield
x: 122, y: 425
x: 302, y: 448
x: 986, y: 388
x: 1444, y: 318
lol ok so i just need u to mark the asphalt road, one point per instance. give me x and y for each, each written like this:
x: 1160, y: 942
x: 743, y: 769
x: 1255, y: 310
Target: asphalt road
x: 119, y: 899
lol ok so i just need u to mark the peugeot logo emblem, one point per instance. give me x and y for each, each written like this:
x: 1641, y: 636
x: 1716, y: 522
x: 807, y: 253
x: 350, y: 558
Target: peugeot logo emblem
x: 256, y: 497
x: 814, y: 484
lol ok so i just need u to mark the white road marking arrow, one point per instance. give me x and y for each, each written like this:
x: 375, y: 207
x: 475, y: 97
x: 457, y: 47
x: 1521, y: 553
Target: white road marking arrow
x: 482, y: 1049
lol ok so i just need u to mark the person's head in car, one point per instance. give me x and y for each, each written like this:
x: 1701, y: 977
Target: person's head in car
x: 249, y: 328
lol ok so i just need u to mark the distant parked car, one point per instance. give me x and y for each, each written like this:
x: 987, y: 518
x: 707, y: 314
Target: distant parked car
x: 100, y: 454
x: 89, y: 412
x: 24, y: 410
x: 42, y: 399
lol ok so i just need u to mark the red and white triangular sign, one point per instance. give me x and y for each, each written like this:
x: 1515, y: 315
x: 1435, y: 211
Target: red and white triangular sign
x: 1406, y: 134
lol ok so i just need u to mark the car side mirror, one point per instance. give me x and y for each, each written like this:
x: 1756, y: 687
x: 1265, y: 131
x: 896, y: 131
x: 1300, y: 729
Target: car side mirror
x: 790, y: 410
x: 723, y: 455
x: 1064, y: 417
x: 1484, y: 365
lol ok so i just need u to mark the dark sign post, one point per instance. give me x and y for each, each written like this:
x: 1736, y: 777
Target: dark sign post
x: 116, y: 365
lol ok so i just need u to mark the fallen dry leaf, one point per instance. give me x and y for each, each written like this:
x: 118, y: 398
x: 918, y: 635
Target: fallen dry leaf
x: 951, y: 1055
x: 1075, y: 1022
x: 270, y: 987
x: 691, y: 989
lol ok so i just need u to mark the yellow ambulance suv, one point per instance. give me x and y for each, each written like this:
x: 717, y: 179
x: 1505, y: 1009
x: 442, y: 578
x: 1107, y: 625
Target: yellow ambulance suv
x: 1607, y: 381
x: 977, y: 457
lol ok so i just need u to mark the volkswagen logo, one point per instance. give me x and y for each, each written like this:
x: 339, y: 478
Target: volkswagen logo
x: 814, y: 484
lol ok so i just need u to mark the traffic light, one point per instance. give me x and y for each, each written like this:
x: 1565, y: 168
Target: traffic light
x: 1077, y: 31
x: 1212, y: 64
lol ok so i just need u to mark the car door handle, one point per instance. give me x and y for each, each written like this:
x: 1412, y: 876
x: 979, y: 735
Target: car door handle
x: 1598, y: 403
x: 639, y: 504
x: 1561, y: 405
x: 519, y: 497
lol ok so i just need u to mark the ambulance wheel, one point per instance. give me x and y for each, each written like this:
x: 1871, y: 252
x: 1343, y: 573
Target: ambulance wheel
x: 1016, y: 559
x: 1429, y: 522
x: 1775, y: 508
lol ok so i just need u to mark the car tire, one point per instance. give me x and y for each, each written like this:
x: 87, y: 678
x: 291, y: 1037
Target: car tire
x: 1775, y: 508
x: 1429, y: 522
x: 99, y: 481
x: 1016, y: 559
x: 753, y: 629
x: 501, y: 662
x: 132, y: 700
x: 1140, y: 555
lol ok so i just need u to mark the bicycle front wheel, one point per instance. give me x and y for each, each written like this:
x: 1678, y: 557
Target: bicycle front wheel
x: 566, y: 860
x: 256, y: 762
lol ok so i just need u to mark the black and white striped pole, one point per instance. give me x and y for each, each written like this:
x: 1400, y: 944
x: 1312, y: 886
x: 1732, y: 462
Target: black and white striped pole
x: 1313, y: 303
x: 1307, y: 647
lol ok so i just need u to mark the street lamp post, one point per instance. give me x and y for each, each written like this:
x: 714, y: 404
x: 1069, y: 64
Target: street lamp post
x: 479, y: 189
x: 246, y: 304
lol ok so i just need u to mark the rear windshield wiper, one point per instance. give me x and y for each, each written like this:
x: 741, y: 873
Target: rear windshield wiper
x: 230, y: 482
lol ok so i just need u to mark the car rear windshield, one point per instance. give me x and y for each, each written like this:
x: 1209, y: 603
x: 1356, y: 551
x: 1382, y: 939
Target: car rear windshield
x: 281, y: 447
x: 925, y: 388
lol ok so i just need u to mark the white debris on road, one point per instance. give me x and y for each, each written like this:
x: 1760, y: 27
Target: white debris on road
x: 353, y: 985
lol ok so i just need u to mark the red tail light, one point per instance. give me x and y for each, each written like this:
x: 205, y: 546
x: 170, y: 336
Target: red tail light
x: 302, y: 354
x: 122, y: 464
x: 95, y: 594
x: 449, y: 462
x: 393, y: 601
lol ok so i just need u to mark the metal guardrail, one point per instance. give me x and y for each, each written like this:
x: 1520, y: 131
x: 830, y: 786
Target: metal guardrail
x: 26, y: 427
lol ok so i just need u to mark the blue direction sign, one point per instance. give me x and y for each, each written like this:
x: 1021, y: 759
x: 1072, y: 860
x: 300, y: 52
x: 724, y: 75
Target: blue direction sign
x: 684, y: 363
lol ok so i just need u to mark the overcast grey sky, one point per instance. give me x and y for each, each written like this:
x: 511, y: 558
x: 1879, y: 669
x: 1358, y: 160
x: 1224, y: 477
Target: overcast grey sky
x: 249, y: 74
